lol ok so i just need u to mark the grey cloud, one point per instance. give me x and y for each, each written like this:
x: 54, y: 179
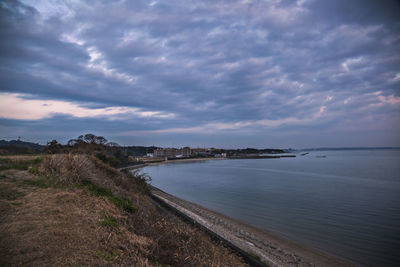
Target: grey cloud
x: 206, y: 61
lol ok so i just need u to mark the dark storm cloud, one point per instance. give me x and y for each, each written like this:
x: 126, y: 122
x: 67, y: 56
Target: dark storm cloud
x: 244, y: 66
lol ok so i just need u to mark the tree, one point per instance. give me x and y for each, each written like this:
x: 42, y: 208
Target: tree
x: 53, y: 147
x: 100, y: 140
x: 93, y: 139
x: 74, y: 142
x: 89, y: 138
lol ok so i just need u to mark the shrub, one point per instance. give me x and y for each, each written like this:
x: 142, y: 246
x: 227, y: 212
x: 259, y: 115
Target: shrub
x: 141, y: 179
x: 68, y: 168
x: 104, y: 166
x: 108, y: 159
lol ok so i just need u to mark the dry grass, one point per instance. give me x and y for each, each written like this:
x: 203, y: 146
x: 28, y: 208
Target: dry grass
x: 57, y: 227
x: 19, y: 157
x: 67, y: 168
x: 62, y: 222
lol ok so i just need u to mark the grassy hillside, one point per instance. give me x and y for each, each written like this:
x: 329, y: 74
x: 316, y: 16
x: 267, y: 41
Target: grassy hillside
x: 67, y: 209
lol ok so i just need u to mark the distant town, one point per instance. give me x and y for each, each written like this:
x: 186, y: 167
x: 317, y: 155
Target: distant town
x: 134, y: 153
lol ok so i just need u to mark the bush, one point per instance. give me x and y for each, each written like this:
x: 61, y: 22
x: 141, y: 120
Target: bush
x: 108, y: 159
x: 141, y: 179
x: 68, y: 168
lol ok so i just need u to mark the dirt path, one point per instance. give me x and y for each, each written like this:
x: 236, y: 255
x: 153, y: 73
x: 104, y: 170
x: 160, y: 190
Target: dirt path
x: 265, y: 246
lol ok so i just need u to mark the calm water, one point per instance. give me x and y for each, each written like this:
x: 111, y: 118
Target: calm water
x: 347, y: 204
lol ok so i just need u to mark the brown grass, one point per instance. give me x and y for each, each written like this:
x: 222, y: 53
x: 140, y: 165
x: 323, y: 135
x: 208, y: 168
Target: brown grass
x: 19, y: 157
x: 54, y: 227
x: 67, y: 225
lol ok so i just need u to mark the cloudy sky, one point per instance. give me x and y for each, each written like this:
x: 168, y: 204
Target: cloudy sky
x: 258, y: 73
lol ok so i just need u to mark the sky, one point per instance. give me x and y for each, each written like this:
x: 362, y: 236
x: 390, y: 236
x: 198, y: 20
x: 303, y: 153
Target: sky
x: 206, y: 73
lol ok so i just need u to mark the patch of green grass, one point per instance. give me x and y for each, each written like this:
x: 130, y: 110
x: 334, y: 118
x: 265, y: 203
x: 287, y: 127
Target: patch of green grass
x: 45, y: 182
x: 98, y: 190
x: 107, y: 255
x: 2, y: 168
x: 255, y: 256
x: 74, y: 264
x: 108, y: 221
x: 121, y: 202
x: 42, y: 182
x: 9, y: 193
x: 33, y: 170
x: 23, y: 165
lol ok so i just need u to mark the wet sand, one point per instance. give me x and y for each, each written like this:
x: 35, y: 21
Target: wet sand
x: 267, y: 247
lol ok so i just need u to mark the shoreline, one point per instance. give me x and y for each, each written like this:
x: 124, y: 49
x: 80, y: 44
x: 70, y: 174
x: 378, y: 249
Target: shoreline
x: 183, y: 160
x: 175, y: 161
x: 260, y: 245
x: 251, y: 242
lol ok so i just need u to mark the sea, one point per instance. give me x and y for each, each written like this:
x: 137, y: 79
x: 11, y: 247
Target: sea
x: 344, y: 202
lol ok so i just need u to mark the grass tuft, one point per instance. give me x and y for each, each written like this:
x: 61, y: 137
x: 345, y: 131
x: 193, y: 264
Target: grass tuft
x: 98, y: 190
x: 122, y: 203
x: 42, y: 182
x: 9, y: 193
x: 109, y: 256
x: 23, y: 165
x: 108, y: 221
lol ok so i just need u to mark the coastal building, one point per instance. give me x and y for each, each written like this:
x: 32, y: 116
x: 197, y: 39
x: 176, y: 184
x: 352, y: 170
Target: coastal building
x: 166, y: 152
x: 186, y: 152
x: 201, y: 152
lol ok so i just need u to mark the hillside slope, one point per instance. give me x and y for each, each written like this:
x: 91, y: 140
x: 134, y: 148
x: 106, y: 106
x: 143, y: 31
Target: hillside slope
x: 75, y: 210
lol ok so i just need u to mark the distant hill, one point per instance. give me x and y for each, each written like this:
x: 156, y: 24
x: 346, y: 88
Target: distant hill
x: 19, y: 143
x: 19, y: 147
